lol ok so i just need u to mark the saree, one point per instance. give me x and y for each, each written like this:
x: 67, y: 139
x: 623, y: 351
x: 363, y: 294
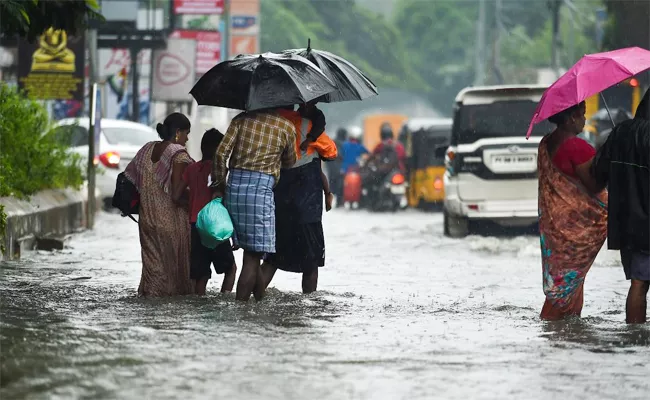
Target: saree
x: 573, y: 228
x: 163, y: 226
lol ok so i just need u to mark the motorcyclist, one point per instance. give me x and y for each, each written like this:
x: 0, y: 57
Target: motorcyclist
x: 389, y: 154
x: 353, y: 149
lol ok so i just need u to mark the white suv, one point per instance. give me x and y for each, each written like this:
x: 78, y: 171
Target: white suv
x: 491, y: 169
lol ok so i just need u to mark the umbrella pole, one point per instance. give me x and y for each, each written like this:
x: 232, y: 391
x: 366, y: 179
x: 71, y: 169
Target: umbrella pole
x: 607, y: 108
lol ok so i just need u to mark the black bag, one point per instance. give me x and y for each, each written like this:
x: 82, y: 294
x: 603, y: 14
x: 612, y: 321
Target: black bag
x: 388, y: 157
x: 126, y: 197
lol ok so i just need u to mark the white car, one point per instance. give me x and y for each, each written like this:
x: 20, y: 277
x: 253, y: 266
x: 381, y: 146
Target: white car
x: 491, y: 169
x: 119, y: 142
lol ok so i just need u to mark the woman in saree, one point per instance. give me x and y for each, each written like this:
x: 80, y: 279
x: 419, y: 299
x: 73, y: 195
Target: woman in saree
x: 157, y: 172
x: 572, y: 214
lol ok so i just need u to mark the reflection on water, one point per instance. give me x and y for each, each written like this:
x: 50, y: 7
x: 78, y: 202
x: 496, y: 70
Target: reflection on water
x: 403, y: 313
x: 597, y: 334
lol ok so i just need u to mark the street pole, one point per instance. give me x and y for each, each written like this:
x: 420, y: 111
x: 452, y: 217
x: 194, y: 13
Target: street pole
x: 496, y: 59
x: 555, y: 40
x: 91, y: 201
x: 479, y: 77
x: 134, y: 75
x: 225, y: 53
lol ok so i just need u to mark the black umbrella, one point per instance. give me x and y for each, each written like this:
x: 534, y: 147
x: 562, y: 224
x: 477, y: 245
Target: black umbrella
x: 351, y: 83
x: 254, y: 82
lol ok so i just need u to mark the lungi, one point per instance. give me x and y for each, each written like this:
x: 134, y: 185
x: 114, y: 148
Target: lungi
x: 249, y: 200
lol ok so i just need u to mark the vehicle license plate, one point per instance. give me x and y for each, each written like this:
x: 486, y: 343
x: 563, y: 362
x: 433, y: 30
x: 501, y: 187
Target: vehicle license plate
x: 514, y: 159
x: 398, y: 189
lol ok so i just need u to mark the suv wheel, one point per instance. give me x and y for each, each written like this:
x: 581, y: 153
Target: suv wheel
x: 455, y: 227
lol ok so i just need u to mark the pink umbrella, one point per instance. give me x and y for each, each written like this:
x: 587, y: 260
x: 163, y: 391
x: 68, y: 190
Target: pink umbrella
x: 589, y: 76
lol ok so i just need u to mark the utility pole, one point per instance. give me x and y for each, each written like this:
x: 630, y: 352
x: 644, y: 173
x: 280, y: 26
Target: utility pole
x: 555, y: 44
x: 134, y: 51
x: 573, y: 33
x: 479, y: 77
x: 496, y: 59
x: 91, y: 171
x: 225, y: 53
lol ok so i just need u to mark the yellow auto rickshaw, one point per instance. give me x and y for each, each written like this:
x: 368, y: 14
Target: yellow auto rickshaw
x: 426, y: 141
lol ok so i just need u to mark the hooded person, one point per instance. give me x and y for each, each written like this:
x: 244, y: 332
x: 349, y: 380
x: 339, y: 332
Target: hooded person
x: 623, y: 165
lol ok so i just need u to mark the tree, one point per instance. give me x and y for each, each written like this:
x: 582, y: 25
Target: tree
x: 629, y: 24
x: 439, y: 37
x: 361, y: 36
x: 30, y: 18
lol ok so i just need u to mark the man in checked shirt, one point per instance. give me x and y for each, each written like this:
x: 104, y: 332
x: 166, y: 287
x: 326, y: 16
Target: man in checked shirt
x: 258, y: 144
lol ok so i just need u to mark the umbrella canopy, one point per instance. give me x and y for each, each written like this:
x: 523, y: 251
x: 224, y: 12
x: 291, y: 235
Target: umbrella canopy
x: 592, y: 74
x: 351, y: 83
x: 254, y: 82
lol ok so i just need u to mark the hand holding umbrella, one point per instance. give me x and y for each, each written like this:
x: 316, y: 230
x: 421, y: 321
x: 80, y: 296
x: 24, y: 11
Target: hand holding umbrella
x: 592, y: 74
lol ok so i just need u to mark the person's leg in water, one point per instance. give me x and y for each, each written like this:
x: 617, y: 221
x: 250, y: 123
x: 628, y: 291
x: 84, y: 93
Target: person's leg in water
x: 200, y: 260
x: 329, y: 197
x: 637, y: 303
x: 266, y: 276
x: 229, y: 279
x: 223, y: 261
x: 200, y: 286
x: 550, y: 313
x: 250, y: 273
x: 637, y: 269
x: 310, y: 280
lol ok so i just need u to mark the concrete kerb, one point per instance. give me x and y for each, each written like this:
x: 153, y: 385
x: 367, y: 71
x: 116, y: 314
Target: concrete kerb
x: 44, y: 221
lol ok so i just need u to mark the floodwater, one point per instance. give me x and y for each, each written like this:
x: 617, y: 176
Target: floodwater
x: 403, y: 313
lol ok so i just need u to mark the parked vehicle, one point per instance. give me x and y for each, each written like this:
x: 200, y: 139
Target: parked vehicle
x: 426, y: 141
x: 119, y: 142
x: 491, y: 169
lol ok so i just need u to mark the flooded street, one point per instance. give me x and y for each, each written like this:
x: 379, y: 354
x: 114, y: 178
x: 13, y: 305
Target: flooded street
x: 402, y: 312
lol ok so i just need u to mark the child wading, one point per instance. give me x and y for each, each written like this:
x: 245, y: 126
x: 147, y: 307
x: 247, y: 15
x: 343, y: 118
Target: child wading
x: 197, y: 178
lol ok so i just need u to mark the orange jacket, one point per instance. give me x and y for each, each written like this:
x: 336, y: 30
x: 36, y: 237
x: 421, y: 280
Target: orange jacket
x: 324, y: 145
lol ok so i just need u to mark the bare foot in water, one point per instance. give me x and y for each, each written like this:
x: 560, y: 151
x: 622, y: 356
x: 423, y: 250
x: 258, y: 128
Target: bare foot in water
x: 329, y: 198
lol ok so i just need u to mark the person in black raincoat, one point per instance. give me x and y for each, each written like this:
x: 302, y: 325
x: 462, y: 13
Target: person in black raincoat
x: 623, y: 164
x: 300, y: 242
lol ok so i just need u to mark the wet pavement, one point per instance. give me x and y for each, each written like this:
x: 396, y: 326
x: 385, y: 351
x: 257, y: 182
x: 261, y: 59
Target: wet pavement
x: 402, y: 312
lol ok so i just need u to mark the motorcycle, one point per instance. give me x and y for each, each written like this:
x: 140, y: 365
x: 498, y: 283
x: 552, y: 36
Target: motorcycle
x: 383, y: 191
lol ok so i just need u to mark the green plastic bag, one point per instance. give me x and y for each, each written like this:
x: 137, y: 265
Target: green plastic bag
x: 214, y: 224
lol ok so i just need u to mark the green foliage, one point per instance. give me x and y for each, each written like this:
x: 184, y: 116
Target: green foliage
x: 30, y: 18
x: 3, y: 228
x: 363, y: 37
x: 429, y: 46
x: 628, y: 24
x: 33, y: 157
x: 440, y: 39
x: 521, y: 52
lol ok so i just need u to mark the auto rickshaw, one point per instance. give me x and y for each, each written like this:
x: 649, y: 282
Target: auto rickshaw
x: 426, y: 140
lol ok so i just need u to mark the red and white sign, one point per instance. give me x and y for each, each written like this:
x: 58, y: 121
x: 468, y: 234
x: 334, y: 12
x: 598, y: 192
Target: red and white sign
x: 174, y: 70
x: 198, y: 7
x: 208, y: 48
x: 112, y: 61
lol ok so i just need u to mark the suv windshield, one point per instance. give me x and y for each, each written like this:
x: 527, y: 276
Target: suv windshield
x: 136, y: 137
x: 499, y: 119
